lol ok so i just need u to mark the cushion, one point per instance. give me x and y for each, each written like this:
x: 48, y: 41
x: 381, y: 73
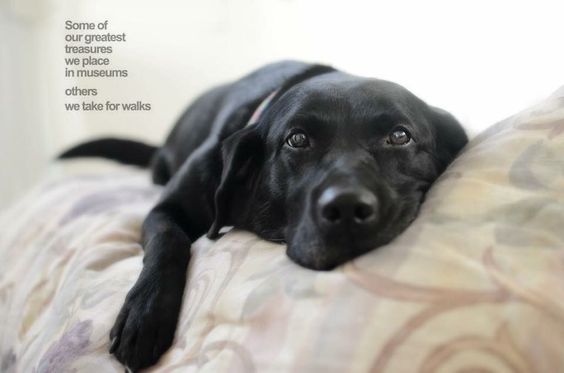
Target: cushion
x: 476, y: 283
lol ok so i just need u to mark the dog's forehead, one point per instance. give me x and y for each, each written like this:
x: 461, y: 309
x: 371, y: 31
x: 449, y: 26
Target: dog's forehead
x: 334, y: 98
x: 339, y: 94
x: 353, y: 89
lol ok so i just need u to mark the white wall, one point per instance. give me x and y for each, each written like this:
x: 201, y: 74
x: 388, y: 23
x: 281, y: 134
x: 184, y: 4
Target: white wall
x: 482, y: 61
x: 23, y: 136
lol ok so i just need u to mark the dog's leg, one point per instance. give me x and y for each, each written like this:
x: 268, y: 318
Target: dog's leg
x: 145, y: 326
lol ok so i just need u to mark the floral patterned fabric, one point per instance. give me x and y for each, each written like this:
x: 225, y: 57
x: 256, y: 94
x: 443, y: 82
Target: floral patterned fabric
x: 475, y: 284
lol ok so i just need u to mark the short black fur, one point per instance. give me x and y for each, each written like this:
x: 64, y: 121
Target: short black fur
x: 336, y: 166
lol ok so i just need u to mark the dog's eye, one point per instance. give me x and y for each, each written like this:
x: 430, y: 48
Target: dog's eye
x: 399, y: 136
x: 297, y: 140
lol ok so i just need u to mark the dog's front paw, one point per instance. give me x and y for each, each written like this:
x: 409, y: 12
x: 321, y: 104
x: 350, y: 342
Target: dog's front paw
x: 145, y: 326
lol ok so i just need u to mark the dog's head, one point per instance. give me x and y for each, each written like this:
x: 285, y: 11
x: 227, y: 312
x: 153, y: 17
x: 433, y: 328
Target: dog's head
x: 337, y: 165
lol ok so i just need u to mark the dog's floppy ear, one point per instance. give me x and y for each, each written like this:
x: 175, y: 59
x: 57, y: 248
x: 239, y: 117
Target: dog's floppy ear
x: 242, y: 153
x: 449, y: 134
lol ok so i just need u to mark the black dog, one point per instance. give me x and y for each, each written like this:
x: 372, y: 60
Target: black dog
x: 333, y: 164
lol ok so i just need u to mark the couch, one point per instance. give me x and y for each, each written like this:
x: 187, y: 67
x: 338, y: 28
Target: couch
x: 475, y: 284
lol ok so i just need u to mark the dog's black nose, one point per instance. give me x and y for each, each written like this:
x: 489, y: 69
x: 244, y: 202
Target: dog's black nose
x: 347, y: 206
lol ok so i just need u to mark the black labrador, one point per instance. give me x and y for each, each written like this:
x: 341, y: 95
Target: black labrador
x: 332, y: 164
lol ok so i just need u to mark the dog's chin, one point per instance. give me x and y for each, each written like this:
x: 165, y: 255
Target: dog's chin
x: 315, y: 262
x: 311, y: 251
x: 326, y: 257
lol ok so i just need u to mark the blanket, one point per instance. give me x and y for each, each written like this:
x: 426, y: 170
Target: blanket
x: 476, y: 283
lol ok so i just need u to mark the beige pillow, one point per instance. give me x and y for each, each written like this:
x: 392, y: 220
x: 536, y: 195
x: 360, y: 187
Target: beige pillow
x: 475, y: 284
